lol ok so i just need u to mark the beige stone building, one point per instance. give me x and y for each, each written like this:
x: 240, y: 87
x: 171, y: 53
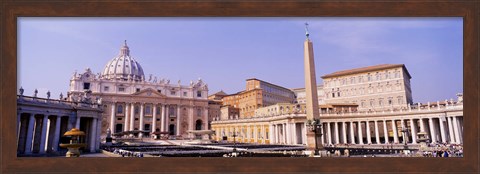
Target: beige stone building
x: 258, y: 94
x: 133, y: 101
x: 373, y: 88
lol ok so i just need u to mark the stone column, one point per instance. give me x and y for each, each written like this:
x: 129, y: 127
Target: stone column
x: 270, y: 134
x: 93, y: 135
x: 304, y: 134
x: 191, y: 121
x: 458, y: 139
x: 77, y: 123
x: 56, y: 137
x: 132, y: 116
x: 141, y: 125
x: 450, y: 130
x: 442, y: 130
x: 154, y: 119
x: 126, y: 126
x: 43, y: 140
x: 377, y: 132
x: 414, y: 131
x: 422, y: 125
x: 385, y: 131
x: 329, y: 132
x: 360, y: 133
x: 29, y: 141
x: 178, y: 120
x: 352, y: 133
x: 337, y: 136
x: 289, y: 133
x: 369, y: 136
x: 162, y: 119
x: 432, y: 130
x: 112, y: 118
x: 395, y: 133
x: 344, y: 132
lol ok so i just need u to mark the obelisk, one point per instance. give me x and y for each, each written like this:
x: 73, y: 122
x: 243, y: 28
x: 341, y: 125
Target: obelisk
x: 311, y: 91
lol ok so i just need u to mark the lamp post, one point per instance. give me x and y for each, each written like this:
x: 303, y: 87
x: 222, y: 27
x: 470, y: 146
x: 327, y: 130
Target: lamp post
x: 315, y: 126
x: 234, y: 142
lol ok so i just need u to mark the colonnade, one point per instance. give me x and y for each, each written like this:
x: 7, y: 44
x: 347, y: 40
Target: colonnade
x: 41, y: 132
x: 443, y: 129
x: 288, y: 133
x: 169, y: 116
x: 247, y: 133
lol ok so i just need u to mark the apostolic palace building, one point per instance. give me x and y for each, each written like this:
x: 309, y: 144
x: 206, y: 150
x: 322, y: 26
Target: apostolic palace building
x: 366, y: 105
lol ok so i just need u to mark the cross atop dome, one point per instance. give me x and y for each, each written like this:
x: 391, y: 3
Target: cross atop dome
x: 125, y: 50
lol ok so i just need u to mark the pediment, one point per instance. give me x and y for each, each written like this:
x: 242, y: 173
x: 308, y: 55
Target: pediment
x: 149, y: 92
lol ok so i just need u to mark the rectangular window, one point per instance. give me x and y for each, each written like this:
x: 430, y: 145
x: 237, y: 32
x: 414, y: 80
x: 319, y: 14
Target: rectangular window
x: 199, y: 93
x: 136, y: 110
x: 137, y: 90
x: 105, y: 88
x: 159, y: 91
x: 86, y: 85
x: 158, y: 110
x: 121, y: 89
x: 184, y: 94
x: 148, y: 110
x: 172, y: 92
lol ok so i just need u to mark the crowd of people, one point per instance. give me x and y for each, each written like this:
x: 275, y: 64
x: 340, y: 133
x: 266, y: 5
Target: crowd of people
x: 124, y: 153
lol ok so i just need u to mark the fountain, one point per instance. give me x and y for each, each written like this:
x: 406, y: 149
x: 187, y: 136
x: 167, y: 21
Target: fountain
x: 76, y: 142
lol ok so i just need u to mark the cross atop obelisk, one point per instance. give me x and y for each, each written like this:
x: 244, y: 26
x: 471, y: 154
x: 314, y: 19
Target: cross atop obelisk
x: 310, y: 88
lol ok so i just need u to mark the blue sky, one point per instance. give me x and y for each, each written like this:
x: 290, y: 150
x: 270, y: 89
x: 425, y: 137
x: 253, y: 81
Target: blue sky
x: 226, y: 51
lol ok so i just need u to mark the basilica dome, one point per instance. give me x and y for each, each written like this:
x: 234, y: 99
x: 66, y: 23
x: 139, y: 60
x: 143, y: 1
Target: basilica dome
x: 123, y: 67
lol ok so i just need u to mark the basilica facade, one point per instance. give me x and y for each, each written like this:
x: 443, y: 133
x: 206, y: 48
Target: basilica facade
x: 132, y: 101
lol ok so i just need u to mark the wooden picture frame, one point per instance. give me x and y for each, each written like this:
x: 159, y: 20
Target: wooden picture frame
x: 10, y: 10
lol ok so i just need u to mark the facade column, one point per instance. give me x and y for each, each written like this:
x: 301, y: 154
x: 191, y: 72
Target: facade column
x: 93, y: 135
x: 43, y: 140
x: 344, y: 132
x: 395, y: 133
x: 432, y: 130
x: 126, y: 124
x: 377, y: 132
x: 28, y: 145
x: 352, y: 133
x: 304, y: 134
x: 141, y: 126
x: 322, y: 139
x: 369, y: 136
x: 450, y: 130
x: 112, y: 118
x: 191, y: 121
x: 337, y: 135
x: 132, y: 116
x: 288, y: 133
x: 414, y: 131
x: 360, y: 133
x: 154, y: 119
x: 56, y: 137
x: 442, y: 130
x: 178, y: 120
x: 458, y: 139
x: 162, y: 119
x: 385, y: 131
x: 329, y: 132
x: 205, y: 118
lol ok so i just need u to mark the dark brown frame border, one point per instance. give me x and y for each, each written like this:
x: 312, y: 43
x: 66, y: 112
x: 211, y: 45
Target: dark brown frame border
x: 9, y: 11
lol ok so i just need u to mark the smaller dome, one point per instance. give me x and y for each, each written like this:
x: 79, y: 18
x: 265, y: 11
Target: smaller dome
x: 123, y: 67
